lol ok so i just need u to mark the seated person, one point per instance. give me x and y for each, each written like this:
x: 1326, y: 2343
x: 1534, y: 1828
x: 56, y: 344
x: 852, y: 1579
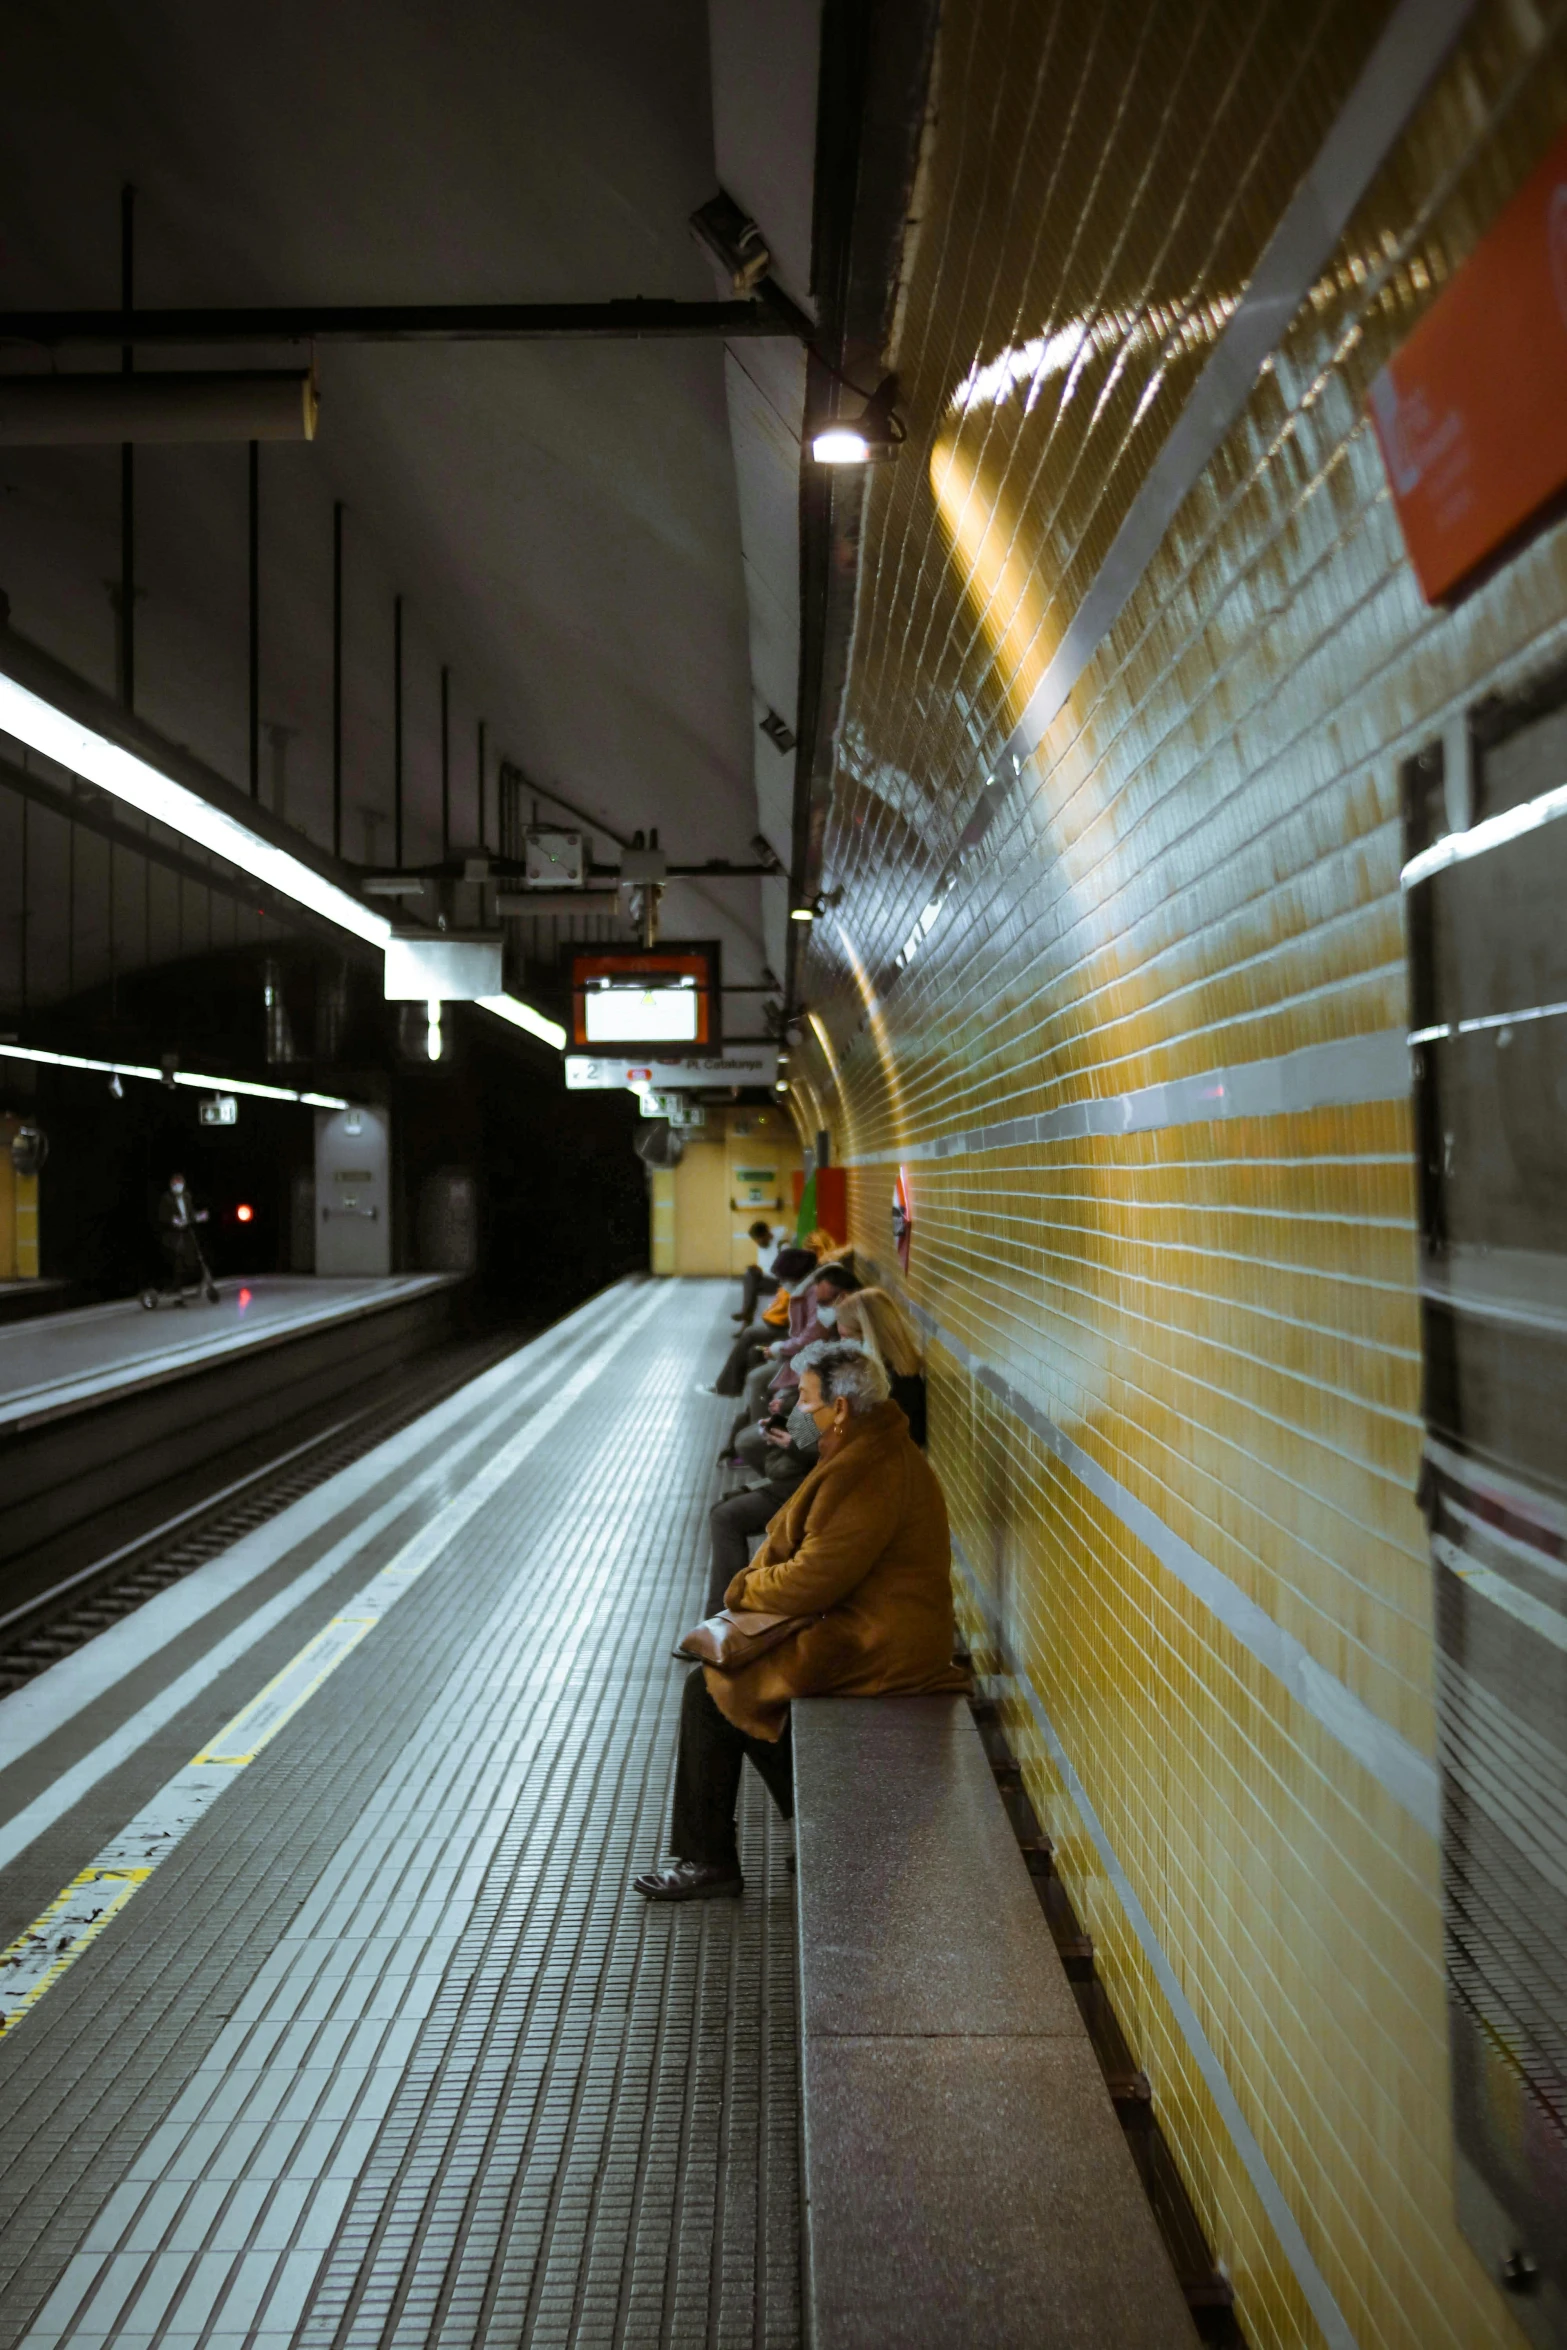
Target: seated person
x: 756, y: 1277
x: 792, y: 1266
x: 861, y: 1552
x: 786, y: 1457
x: 790, y: 1458
x: 875, y: 1318
x: 818, y: 1320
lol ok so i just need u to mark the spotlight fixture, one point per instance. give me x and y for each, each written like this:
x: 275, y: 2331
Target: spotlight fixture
x: 802, y: 913
x: 871, y: 438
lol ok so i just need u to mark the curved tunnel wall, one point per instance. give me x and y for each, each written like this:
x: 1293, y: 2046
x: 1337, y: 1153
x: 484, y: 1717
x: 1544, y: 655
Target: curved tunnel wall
x: 1130, y: 1020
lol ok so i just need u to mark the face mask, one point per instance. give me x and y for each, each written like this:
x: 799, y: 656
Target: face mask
x: 802, y: 1429
x: 828, y: 1317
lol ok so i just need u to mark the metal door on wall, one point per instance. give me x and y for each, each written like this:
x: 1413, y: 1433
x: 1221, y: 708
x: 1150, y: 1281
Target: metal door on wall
x: 353, y: 1193
x: 1485, y: 882
x: 763, y: 1155
x: 702, y: 1209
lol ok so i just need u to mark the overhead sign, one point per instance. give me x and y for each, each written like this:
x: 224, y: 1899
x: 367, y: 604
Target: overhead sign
x: 1472, y: 413
x: 435, y: 967
x: 741, y: 1065
x: 219, y: 1109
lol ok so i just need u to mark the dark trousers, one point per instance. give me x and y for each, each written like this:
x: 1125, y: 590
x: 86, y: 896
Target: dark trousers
x: 731, y: 1379
x: 179, y: 1252
x: 752, y: 1286
x: 707, y: 1778
x: 733, y: 1522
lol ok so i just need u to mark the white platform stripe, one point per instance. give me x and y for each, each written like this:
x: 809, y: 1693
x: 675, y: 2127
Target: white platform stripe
x: 418, y: 2048
x: 36, y: 1711
x: 72, y: 1923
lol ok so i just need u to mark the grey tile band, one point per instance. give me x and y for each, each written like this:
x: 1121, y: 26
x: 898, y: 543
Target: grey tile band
x: 1399, y: 1768
x: 1313, y: 2284
x: 1348, y: 1070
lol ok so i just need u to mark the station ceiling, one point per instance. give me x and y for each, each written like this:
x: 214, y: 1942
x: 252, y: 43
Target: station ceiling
x: 560, y: 520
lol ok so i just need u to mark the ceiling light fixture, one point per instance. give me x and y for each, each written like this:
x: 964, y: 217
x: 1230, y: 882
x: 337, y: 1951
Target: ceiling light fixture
x: 432, y: 1033
x: 97, y: 758
x: 802, y: 913
x: 163, y: 1076
x: 871, y: 438
x: 520, y: 1015
x: 128, y: 776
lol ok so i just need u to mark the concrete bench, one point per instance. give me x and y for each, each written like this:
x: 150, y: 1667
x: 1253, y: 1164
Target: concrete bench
x: 966, y: 2178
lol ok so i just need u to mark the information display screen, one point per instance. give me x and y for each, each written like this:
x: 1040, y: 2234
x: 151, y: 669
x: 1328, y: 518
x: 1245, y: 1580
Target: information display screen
x: 659, y: 999
x: 641, y: 1015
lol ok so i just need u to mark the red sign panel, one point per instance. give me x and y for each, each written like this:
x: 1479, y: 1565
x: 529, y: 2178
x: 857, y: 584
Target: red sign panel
x: 1472, y: 412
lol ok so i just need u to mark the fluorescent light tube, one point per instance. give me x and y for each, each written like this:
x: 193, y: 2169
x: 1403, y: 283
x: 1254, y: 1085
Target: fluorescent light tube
x: 1493, y: 833
x: 98, y: 760
x: 521, y: 1015
x: 271, y: 1093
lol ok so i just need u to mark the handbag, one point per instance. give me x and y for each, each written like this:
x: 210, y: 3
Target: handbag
x: 736, y: 1637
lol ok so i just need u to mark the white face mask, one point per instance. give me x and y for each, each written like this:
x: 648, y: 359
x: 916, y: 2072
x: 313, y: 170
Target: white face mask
x: 828, y: 1317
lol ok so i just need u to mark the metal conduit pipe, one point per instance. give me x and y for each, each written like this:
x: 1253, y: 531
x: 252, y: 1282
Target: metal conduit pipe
x: 277, y: 404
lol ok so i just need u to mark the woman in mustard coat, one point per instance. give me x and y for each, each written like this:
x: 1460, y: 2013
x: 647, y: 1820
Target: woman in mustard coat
x: 860, y: 1553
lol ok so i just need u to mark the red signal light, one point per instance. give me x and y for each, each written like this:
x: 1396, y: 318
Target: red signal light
x: 244, y: 1213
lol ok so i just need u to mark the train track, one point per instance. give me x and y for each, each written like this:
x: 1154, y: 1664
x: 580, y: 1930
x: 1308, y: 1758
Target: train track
x: 54, y: 1623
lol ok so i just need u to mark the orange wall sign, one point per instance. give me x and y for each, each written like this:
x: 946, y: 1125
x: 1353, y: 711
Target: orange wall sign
x: 1472, y: 412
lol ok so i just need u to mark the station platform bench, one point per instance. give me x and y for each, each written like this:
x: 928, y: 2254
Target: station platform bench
x: 965, y: 2176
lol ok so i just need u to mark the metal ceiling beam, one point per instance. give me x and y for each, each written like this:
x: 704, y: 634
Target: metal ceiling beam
x: 640, y: 318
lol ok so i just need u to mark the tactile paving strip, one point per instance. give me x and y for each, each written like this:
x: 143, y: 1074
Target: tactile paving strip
x: 388, y: 2053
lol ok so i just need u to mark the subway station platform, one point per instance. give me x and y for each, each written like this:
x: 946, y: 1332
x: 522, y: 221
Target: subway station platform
x: 92, y: 1355
x: 330, y: 2015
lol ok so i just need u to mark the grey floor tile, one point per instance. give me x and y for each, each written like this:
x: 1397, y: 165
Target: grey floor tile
x: 445, y: 2078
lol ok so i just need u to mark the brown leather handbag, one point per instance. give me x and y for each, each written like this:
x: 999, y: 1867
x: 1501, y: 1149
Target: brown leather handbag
x: 736, y: 1637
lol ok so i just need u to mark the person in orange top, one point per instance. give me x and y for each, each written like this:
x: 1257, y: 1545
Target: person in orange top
x: 860, y: 1552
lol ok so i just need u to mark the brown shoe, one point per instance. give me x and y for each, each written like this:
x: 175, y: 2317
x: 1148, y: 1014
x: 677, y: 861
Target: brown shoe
x: 690, y: 1880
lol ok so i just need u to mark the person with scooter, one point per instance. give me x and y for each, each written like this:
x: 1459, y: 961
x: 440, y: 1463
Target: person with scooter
x: 178, y: 1217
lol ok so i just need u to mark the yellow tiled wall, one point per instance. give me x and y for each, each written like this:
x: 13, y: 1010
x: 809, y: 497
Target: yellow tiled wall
x: 1213, y: 1320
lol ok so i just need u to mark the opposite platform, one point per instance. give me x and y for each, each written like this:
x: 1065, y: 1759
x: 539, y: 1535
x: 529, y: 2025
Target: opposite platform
x: 71, y: 1362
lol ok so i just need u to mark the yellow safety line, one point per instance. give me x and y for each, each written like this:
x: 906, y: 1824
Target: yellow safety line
x: 126, y: 1881
x: 129, y: 1881
x: 225, y: 1750
x: 223, y: 1747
